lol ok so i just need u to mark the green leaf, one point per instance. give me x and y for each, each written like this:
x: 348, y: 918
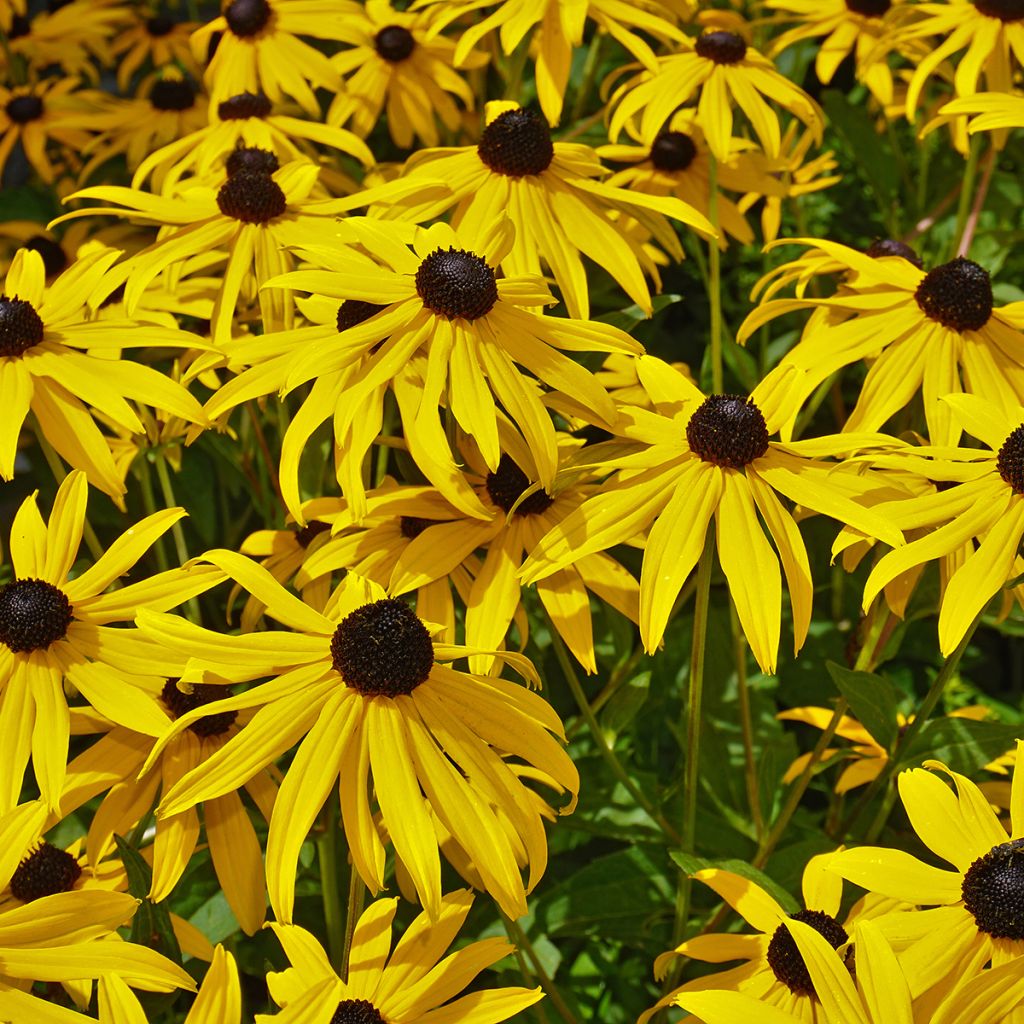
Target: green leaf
x: 691, y: 865
x: 625, y: 705
x: 626, y: 319
x: 873, y: 701
x: 961, y: 743
x: 857, y: 127
x: 151, y: 925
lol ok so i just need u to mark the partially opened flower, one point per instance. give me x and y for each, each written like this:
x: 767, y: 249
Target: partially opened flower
x: 395, y: 63
x: 52, y: 364
x: 370, y: 697
x: 408, y: 983
x: 556, y: 31
x: 724, y: 70
x: 55, y: 628
x: 701, y: 457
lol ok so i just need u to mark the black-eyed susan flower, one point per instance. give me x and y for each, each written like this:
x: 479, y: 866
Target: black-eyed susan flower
x: 408, y: 983
x: 55, y: 628
x: 701, y: 457
x: 989, y: 111
x: 552, y: 193
x: 976, y: 912
x: 368, y: 695
x: 983, y: 507
x: 844, y: 27
x: 925, y: 328
x: 157, y: 39
x: 35, y: 115
x: 726, y: 72
x: 442, y: 328
x: 259, y: 49
x: 394, y: 63
x: 875, y: 992
x: 774, y: 973
x: 43, y: 330
x: 556, y: 31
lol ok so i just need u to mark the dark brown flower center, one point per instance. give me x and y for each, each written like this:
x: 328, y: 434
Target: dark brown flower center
x: 1004, y: 10
x: 517, y: 142
x: 785, y: 959
x: 957, y: 295
x: 20, y: 326
x: 244, y: 106
x: 722, y: 47
x: 160, y: 25
x: 394, y: 43
x: 45, y: 872
x: 33, y: 615
x: 508, y: 482
x: 456, y: 283
x: 893, y: 247
x: 247, y: 17
x: 20, y: 26
x: 173, y: 94
x: 993, y: 890
x: 727, y: 430
x: 1010, y: 460
x: 382, y: 649
x: 869, y: 8
x: 180, y: 703
x: 353, y: 312
x: 304, y: 536
x: 55, y: 259
x: 23, y: 109
x: 253, y: 159
x: 413, y: 526
x: 356, y: 1011
x: 673, y: 151
x: 251, y: 197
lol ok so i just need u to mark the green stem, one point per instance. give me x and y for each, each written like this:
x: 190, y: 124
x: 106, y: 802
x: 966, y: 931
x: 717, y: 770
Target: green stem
x: 715, y: 274
x: 353, y: 911
x: 520, y: 939
x: 590, y: 67
x: 979, y: 203
x: 746, y: 723
x: 167, y: 490
x: 330, y: 887
x: 514, y: 69
x: 604, y: 747
x: 149, y: 504
x: 966, y: 194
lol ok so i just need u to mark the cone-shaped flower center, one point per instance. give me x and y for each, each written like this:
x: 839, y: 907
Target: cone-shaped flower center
x: 171, y: 94
x: 869, y: 8
x: 1004, y: 10
x: 727, y: 430
x: 893, y: 247
x: 453, y: 283
x: 394, y: 43
x: 1010, y: 460
x: 785, y: 959
x: 413, y: 526
x: 247, y: 17
x: 356, y: 1011
x: 505, y: 485
x: 993, y: 891
x: 304, y: 537
x: 673, y: 151
x: 33, y: 615
x: 517, y: 142
x: 957, y: 295
x: 382, y: 649
x: 243, y: 106
x: 253, y: 159
x: 722, y: 47
x: 159, y: 25
x: 180, y: 703
x: 23, y: 109
x: 44, y: 872
x: 55, y: 259
x: 353, y: 312
x: 251, y: 197
x: 20, y: 326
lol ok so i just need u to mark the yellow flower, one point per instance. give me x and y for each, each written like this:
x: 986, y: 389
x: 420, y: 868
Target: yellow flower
x: 396, y: 63
x: 976, y: 914
x: 157, y: 39
x: 991, y: 111
x: 55, y: 628
x: 558, y: 31
x: 410, y: 983
x: 42, y: 329
x: 700, y: 457
x: 726, y: 71
x: 924, y: 328
x: 372, y: 698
